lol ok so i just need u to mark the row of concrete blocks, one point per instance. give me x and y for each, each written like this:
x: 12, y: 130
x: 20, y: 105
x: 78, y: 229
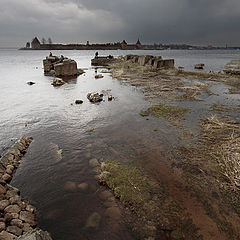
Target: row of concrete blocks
x: 155, y: 61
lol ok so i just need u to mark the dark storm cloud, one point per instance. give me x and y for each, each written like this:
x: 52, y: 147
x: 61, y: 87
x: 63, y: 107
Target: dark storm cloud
x: 189, y: 21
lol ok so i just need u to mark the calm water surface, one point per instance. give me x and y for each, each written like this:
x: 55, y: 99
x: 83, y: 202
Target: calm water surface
x: 50, y: 116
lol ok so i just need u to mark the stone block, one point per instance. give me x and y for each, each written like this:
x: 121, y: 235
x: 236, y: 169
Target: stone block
x: 142, y: 60
x: 67, y: 68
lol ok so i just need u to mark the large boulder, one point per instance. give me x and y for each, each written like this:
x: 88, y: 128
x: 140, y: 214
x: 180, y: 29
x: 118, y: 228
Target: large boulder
x: 232, y: 67
x: 67, y: 68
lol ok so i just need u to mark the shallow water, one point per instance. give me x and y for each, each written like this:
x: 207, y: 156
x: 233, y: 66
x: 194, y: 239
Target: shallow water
x: 50, y: 116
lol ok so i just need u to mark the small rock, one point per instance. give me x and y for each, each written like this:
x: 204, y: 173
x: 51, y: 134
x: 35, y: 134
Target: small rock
x: 83, y: 186
x: 93, y: 221
x: 10, y: 167
x: 17, y: 223
x: 14, y: 230
x: 30, y: 83
x: 30, y: 208
x: 8, y: 217
x: 6, y: 177
x: 2, y: 226
x: 6, y: 236
x: 15, y: 199
x: 4, y: 204
x: 99, y: 76
x: 57, y: 82
x: 70, y: 186
x: 93, y: 162
x: 27, y: 217
x: 78, y: 101
x: 12, y: 209
x: 26, y: 227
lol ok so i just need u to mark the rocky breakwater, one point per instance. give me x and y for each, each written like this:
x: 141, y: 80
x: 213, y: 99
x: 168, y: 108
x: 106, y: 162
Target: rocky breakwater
x: 155, y: 61
x: 60, y: 66
x: 17, y: 216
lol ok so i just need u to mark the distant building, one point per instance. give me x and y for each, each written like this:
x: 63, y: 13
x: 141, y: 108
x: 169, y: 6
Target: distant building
x: 35, y: 43
x: 138, y: 44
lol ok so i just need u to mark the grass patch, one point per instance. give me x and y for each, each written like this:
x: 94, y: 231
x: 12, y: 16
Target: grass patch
x: 128, y: 184
x: 168, y: 112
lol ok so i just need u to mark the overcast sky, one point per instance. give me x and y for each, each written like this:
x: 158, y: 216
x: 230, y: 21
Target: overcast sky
x: 200, y: 22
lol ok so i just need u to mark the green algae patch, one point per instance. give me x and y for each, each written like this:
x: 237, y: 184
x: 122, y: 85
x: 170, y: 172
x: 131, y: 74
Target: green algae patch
x: 128, y: 184
x: 167, y: 111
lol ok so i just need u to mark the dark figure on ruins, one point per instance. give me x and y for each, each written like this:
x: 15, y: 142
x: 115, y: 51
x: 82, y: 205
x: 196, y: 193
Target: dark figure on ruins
x: 96, y: 54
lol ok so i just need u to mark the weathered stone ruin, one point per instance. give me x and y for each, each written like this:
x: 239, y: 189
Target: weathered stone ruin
x: 155, y: 61
x: 232, y: 67
x: 60, y: 66
x: 102, y: 61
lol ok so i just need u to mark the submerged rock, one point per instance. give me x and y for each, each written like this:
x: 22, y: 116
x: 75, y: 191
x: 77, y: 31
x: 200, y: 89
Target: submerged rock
x: 93, y: 221
x: 94, y: 97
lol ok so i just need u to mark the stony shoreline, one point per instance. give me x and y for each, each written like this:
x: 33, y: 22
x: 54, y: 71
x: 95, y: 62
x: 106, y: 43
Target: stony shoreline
x: 17, y: 215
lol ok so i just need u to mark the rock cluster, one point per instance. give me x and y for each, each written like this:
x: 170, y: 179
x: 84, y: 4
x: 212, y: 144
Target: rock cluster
x: 155, y: 61
x: 60, y: 66
x: 16, y: 215
x: 95, y: 97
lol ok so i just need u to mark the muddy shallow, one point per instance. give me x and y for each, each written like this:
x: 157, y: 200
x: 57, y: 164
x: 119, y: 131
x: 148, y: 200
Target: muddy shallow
x: 63, y: 144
